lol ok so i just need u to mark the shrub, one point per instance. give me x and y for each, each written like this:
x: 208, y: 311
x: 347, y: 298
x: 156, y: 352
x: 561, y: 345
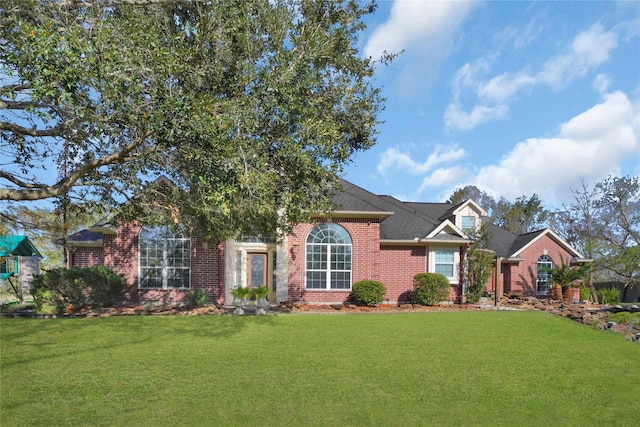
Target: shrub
x: 609, y: 296
x: 475, y: 292
x: 624, y: 317
x: 94, y: 286
x: 368, y: 292
x: 197, y: 297
x: 430, y: 288
x: 585, y: 294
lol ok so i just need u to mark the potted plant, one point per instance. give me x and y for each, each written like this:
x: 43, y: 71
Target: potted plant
x: 239, y: 294
x: 568, y: 277
x: 261, y: 293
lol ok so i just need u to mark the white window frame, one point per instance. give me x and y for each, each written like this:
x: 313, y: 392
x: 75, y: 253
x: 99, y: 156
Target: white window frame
x: 544, y: 265
x: 469, y: 231
x: 165, y: 236
x: 333, y: 237
x: 456, y: 261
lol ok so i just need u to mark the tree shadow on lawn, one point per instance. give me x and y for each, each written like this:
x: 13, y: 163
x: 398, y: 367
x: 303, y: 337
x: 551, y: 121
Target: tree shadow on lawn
x: 43, y: 341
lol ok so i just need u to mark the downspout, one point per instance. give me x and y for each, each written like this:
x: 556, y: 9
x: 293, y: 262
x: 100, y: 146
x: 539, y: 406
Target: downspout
x: 221, y: 273
x: 497, y: 290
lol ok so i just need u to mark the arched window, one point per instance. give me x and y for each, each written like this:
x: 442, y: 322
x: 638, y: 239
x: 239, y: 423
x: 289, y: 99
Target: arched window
x: 165, y: 258
x: 545, y: 265
x: 328, y: 256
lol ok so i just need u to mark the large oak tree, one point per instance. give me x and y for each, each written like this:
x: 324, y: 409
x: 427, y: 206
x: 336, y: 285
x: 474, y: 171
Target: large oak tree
x: 251, y: 108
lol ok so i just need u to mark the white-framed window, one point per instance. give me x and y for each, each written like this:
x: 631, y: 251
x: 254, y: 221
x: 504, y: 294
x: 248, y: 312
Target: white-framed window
x: 468, y: 225
x: 544, y: 267
x: 445, y: 262
x: 165, y: 258
x: 328, y: 258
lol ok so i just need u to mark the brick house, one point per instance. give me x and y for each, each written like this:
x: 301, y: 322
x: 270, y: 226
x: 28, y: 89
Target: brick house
x: 366, y: 236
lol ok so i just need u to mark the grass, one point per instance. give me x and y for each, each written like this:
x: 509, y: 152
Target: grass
x: 475, y: 368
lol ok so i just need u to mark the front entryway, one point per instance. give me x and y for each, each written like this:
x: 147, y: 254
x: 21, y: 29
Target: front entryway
x: 256, y: 270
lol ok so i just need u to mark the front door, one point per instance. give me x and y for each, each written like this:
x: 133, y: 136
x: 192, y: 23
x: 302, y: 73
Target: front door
x: 256, y: 270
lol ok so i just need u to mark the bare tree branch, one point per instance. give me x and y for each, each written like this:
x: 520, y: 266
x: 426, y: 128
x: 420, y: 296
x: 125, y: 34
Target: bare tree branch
x: 11, y: 127
x: 20, y: 183
x: 41, y: 191
x: 107, y: 3
x: 22, y: 105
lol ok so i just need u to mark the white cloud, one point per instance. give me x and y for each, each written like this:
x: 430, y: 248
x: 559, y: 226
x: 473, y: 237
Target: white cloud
x: 425, y: 31
x: 589, y: 146
x: 601, y: 120
x: 443, y: 176
x: 456, y: 118
x: 413, y: 24
x: 392, y: 158
x: 505, y: 86
x: 468, y: 76
x: 601, y: 83
x: 588, y: 50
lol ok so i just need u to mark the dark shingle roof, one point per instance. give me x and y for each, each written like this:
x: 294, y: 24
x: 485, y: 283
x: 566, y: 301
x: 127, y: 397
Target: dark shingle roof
x: 523, y: 240
x: 500, y: 240
x: 84, y: 236
x: 409, y: 220
x: 350, y: 197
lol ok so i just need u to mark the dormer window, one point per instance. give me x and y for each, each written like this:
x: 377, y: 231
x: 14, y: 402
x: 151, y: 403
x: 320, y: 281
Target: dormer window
x: 468, y: 225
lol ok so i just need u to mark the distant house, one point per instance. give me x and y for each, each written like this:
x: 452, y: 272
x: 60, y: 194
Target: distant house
x: 366, y: 236
x: 19, y: 263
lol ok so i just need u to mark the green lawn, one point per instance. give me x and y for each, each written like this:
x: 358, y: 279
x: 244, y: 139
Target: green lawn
x: 451, y: 368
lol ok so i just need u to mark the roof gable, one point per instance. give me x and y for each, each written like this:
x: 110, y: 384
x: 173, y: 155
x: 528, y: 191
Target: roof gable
x: 471, y: 205
x: 526, y: 240
x: 18, y: 246
x: 446, y: 228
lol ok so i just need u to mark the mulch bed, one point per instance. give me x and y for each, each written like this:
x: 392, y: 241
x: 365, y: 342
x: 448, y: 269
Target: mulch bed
x: 591, y: 314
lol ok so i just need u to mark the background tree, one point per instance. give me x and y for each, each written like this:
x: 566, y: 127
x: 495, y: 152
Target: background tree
x: 44, y: 226
x: 522, y: 216
x: 250, y: 107
x: 603, y: 223
x: 482, y: 198
x: 578, y: 224
x: 619, y: 214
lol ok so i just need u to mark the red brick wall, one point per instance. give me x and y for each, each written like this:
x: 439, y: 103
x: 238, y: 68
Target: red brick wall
x: 120, y: 253
x: 524, y: 275
x: 394, y: 266
x: 86, y: 257
x: 398, y: 266
x: 506, y: 277
x: 365, y: 237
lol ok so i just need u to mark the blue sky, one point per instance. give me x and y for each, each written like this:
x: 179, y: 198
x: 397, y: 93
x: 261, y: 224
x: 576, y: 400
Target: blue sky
x: 514, y: 97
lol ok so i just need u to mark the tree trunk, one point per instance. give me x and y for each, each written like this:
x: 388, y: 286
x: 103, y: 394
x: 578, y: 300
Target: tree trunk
x: 594, y: 293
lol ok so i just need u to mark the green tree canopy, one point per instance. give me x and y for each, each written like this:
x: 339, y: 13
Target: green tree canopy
x: 604, y: 223
x: 251, y: 108
x: 522, y: 216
